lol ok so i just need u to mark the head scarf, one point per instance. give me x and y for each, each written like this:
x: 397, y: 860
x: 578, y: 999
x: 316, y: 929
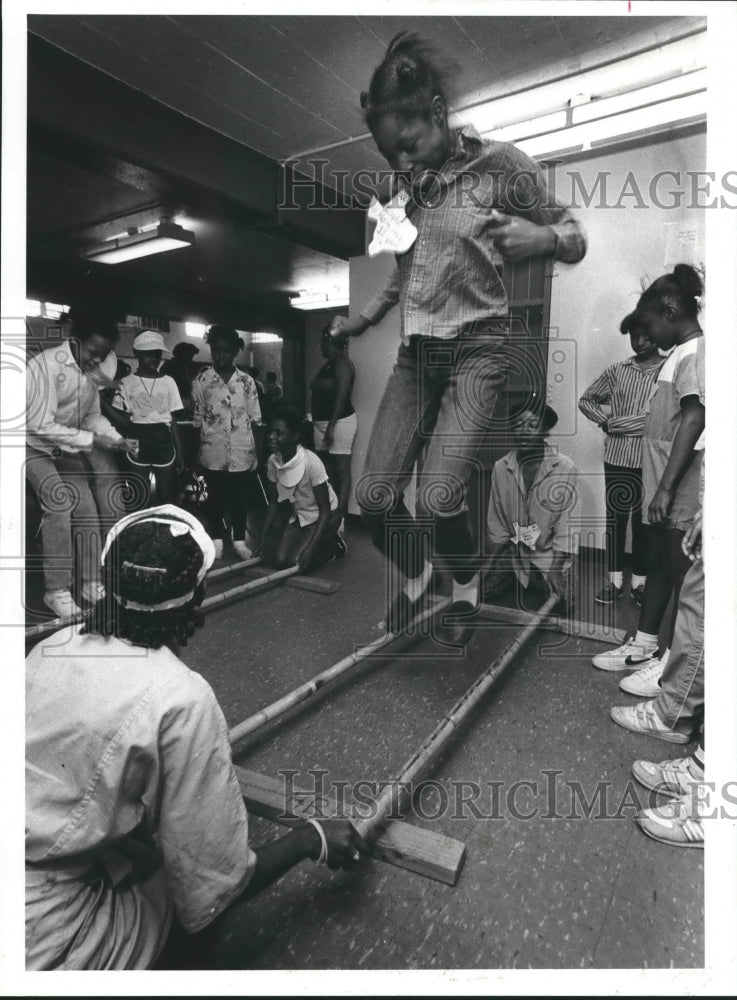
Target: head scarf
x: 180, y: 522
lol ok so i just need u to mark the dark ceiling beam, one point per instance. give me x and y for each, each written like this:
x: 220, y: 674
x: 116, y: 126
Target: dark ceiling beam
x: 67, y: 94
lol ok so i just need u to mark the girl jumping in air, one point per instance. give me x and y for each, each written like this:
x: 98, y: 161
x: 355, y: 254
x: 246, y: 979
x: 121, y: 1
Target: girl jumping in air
x: 464, y: 197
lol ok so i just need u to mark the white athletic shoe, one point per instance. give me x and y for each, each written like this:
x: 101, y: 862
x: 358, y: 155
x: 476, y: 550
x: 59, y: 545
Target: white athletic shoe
x: 677, y: 823
x: 242, y: 550
x: 642, y: 718
x: 671, y: 777
x: 61, y: 603
x: 644, y: 682
x: 629, y: 656
x: 218, y: 543
x: 93, y: 591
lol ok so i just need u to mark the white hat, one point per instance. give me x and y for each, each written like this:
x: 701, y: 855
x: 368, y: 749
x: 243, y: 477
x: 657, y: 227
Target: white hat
x: 150, y: 340
x: 291, y: 472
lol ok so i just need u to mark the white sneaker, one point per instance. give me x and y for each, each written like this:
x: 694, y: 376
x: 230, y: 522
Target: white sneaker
x: 61, y: 603
x: 218, y: 543
x: 678, y: 822
x: 671, y: 777
x: 93, y: 591
x: 642, y: 718
x: 630, y: 656
x: 644, y: 682
x: 242, y: 550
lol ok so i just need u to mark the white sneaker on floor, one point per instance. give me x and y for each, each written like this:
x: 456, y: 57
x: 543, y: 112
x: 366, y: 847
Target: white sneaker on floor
x: 642, y: 718
x: 671, y: 777
x: 630, y: 655
x: 61, y: 603
x: 218, y: 543
x: 644, y: 682
x: 242, y: 550
x: 93, y: 591
x: 677, y: 823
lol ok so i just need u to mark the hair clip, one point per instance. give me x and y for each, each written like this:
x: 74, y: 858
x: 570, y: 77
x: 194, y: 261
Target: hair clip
x: 698, y: 298
x: 143, y: 569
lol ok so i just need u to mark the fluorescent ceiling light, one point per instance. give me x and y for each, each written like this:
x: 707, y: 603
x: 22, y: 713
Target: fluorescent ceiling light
x: 157, y: 239
x: 617, y: 126
x: 195, y: 329
x: 319, y: 300
x: 533, y: 126
x: 679, y: 86
x: 265, y: 338
x: 673, y: 60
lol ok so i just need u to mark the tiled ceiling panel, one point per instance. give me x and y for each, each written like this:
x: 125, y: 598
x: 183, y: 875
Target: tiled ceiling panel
x: 286, y: 84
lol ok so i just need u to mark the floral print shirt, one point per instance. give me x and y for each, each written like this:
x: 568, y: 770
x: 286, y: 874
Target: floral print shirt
x: 224, y: 413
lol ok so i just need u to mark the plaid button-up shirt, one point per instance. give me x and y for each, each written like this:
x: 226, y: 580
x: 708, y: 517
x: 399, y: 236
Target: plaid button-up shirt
x: 447, y: 278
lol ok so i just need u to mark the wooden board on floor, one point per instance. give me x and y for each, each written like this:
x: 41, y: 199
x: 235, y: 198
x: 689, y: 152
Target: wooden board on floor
x: 422, y: 851
x: 583, y: 630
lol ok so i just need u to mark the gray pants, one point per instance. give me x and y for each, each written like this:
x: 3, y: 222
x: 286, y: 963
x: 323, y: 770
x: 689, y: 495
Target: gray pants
x: 70, y: 518
x: 441, y: 398
x: 680, y: 704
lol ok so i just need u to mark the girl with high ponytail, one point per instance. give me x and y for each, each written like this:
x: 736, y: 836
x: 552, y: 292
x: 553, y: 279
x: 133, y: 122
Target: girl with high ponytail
x: 467, y: 201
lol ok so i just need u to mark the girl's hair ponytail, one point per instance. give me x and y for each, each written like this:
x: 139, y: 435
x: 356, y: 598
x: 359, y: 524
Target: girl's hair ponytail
x: 682, y: 288
x: 410, y: 75
x: 689, y: 282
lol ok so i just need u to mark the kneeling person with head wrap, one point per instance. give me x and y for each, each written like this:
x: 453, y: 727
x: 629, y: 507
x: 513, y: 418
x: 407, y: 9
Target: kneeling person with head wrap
x: 134, y: 813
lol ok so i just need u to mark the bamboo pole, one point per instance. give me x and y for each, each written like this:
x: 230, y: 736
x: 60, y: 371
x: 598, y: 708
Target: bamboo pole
x: 253, y: 586
x: 226, y: 597
x: 216, y: 574
x: 305, y: 691
x: 398, y: 786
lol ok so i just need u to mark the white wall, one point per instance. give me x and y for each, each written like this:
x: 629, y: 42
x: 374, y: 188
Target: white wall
x: 626, y: 245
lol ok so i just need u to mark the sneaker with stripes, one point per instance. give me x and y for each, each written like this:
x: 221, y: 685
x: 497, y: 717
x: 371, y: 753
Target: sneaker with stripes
x: 642, y: 718
x: 671, y: 777
x: 677, y: 823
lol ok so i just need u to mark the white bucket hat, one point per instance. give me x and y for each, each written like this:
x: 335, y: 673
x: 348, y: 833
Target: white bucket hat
x: 150, y: 340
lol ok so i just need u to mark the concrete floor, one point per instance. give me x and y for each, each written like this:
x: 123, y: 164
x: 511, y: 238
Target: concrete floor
x: 558, y: 890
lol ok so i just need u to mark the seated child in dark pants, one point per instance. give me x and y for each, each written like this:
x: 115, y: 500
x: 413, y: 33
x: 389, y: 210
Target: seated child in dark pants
x: 303, y: 519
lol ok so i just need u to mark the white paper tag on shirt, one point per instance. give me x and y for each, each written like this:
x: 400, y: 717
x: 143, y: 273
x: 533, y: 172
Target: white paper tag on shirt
x: 394, y: 232
x: 526, y: 534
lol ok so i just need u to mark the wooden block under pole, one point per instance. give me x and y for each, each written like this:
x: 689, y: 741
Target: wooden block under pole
x: 418, y: 850
x: 569, y: 626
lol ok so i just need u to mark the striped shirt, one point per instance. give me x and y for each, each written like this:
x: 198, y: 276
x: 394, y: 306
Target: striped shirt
x: 620, y: 396
x: 448, y: 277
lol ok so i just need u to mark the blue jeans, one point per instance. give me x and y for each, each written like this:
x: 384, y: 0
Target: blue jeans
x: 437, y: 411
x: 680, y: 703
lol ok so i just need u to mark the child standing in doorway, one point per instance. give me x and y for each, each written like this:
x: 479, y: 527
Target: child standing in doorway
x: 225, y: 408
x: 616, y: 401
